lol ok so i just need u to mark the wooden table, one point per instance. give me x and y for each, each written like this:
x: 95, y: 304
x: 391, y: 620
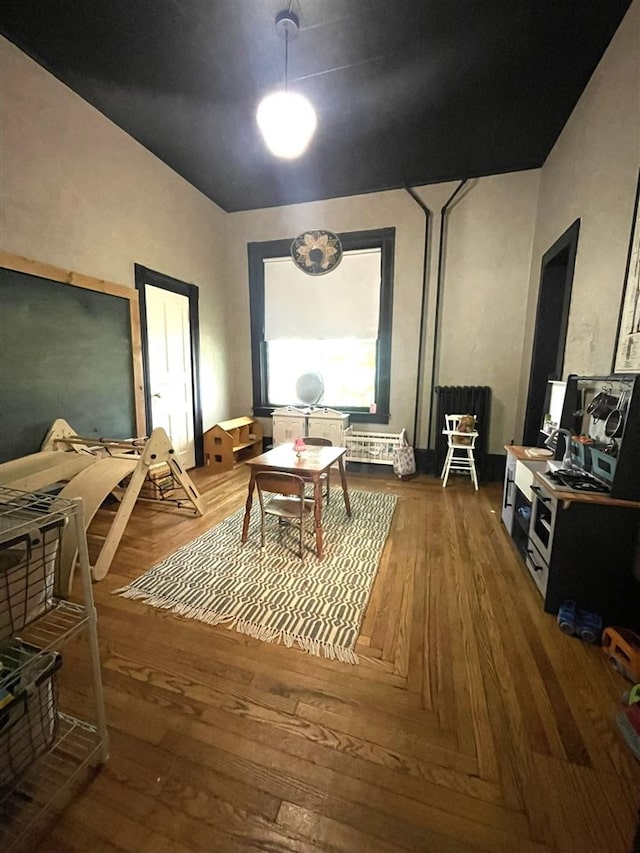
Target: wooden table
x: 312, y: 463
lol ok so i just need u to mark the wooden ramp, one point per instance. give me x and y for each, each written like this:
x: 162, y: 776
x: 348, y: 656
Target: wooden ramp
x: 94, y: 485
x: 36, y: 471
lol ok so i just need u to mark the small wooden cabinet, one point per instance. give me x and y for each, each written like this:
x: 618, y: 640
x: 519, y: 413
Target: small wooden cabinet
x: 229, y: 442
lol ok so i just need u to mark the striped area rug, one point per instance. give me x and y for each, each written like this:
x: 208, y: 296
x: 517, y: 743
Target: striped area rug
x: 273, y: 595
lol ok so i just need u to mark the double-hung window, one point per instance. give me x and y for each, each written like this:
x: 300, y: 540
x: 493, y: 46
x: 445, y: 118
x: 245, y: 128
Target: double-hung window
x: 336, y: 325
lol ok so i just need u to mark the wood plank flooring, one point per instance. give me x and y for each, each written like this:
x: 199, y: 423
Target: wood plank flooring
x: 471, y: 724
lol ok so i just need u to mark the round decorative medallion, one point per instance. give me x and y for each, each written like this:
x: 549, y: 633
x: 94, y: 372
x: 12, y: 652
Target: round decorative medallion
x: 316, y: 252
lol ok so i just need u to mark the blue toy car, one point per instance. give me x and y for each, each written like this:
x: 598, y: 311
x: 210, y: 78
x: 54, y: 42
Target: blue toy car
x: 576, y: 622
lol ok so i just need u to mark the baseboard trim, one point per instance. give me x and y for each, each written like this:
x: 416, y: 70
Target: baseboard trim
x: 492, y: 470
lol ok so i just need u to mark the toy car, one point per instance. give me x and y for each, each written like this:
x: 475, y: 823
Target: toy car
x: 622, y: 647
x: 574, y: 621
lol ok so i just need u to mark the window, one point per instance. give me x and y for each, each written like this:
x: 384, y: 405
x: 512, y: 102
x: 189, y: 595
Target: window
x: 337, y: 325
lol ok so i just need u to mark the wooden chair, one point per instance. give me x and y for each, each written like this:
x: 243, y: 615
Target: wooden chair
x: 460, y: 450
x: 319, y: 441
x: 287, y: 502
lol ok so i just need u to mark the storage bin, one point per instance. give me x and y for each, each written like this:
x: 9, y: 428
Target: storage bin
x: 29, y: 556
x: 27, y: 707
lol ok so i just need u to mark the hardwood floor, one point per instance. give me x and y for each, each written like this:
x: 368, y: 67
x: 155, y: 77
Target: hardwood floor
x: 472, y: 723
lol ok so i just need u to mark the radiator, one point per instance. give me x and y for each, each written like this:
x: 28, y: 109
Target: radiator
x: 463, y: 400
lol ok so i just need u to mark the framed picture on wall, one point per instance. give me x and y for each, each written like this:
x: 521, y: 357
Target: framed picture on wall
x: 627, y: 352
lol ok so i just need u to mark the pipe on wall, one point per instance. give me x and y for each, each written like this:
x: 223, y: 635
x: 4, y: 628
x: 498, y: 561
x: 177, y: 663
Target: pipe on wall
x: 423, y: 305
x: 439, y: 281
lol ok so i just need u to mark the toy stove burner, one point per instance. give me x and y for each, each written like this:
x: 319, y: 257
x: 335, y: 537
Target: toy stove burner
x: 578, y: 481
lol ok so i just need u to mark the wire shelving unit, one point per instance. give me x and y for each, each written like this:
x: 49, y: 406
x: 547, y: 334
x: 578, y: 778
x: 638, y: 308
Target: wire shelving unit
x: 31, y: 527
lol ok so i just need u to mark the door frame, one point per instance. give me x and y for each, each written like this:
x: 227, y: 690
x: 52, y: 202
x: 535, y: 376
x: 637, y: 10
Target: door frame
x: 144, y: 276
x: 567, y: 242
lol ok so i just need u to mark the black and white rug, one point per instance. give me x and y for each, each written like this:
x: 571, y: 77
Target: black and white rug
x: 273, y: 595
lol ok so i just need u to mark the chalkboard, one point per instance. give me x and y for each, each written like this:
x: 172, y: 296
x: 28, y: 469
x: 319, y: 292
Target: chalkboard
x: 65, y: 352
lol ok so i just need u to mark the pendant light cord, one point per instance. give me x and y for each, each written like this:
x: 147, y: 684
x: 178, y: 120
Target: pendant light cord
x: 286, y: 60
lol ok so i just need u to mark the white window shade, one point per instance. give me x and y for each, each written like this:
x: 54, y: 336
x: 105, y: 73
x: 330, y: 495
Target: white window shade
x: 344, y: 303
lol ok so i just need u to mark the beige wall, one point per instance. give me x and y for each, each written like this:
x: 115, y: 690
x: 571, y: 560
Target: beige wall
x: 77, y: 192
x: 378, y: 210
x: 483, y: 296
x: 591, y: 174
x: 483, y: 299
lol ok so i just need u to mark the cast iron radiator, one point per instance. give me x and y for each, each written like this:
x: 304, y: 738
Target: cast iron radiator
x: 463, y: 400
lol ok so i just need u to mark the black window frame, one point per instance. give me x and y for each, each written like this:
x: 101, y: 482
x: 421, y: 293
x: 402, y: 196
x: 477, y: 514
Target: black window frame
x: 381, y: 238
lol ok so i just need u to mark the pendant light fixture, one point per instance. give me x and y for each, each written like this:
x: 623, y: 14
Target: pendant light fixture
x: 286, y: 119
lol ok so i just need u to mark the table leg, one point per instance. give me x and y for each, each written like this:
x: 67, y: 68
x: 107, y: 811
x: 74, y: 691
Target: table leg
x: 247, y: 509
x: 317, y: 513
x: 345, y: 491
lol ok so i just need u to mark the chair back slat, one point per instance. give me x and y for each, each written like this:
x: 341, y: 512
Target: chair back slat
x: 280, y: 483
x: 317, y: 441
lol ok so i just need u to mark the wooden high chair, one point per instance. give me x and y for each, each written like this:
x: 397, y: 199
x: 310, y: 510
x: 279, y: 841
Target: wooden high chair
x: 460, y: 450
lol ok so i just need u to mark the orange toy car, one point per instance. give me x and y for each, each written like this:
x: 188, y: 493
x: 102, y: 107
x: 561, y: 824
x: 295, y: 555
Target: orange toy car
x: 622, y: 647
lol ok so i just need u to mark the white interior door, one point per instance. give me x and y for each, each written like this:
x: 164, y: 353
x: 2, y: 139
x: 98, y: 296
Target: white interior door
x: 170, y: 373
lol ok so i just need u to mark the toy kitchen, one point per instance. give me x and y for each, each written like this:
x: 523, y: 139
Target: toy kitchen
x: 572, y: 505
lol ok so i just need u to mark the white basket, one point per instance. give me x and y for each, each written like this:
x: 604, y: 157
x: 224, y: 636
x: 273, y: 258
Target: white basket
x: 28, y: 714
x: 372, y: 447
x: 28, y: 561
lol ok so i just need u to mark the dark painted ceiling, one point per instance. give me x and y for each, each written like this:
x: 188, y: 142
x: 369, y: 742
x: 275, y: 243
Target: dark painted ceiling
x: 407, y: 92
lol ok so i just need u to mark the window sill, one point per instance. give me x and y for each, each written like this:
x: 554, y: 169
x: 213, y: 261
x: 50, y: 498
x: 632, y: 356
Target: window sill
x: 355, y: 417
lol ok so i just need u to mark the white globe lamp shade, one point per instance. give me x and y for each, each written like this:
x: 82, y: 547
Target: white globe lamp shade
x: 287, y: 122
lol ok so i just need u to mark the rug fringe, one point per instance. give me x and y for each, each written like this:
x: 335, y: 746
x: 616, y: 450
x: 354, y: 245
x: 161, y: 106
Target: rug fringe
x: 218, y: 552
x: 250, y: 629
x: 314, y: 647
